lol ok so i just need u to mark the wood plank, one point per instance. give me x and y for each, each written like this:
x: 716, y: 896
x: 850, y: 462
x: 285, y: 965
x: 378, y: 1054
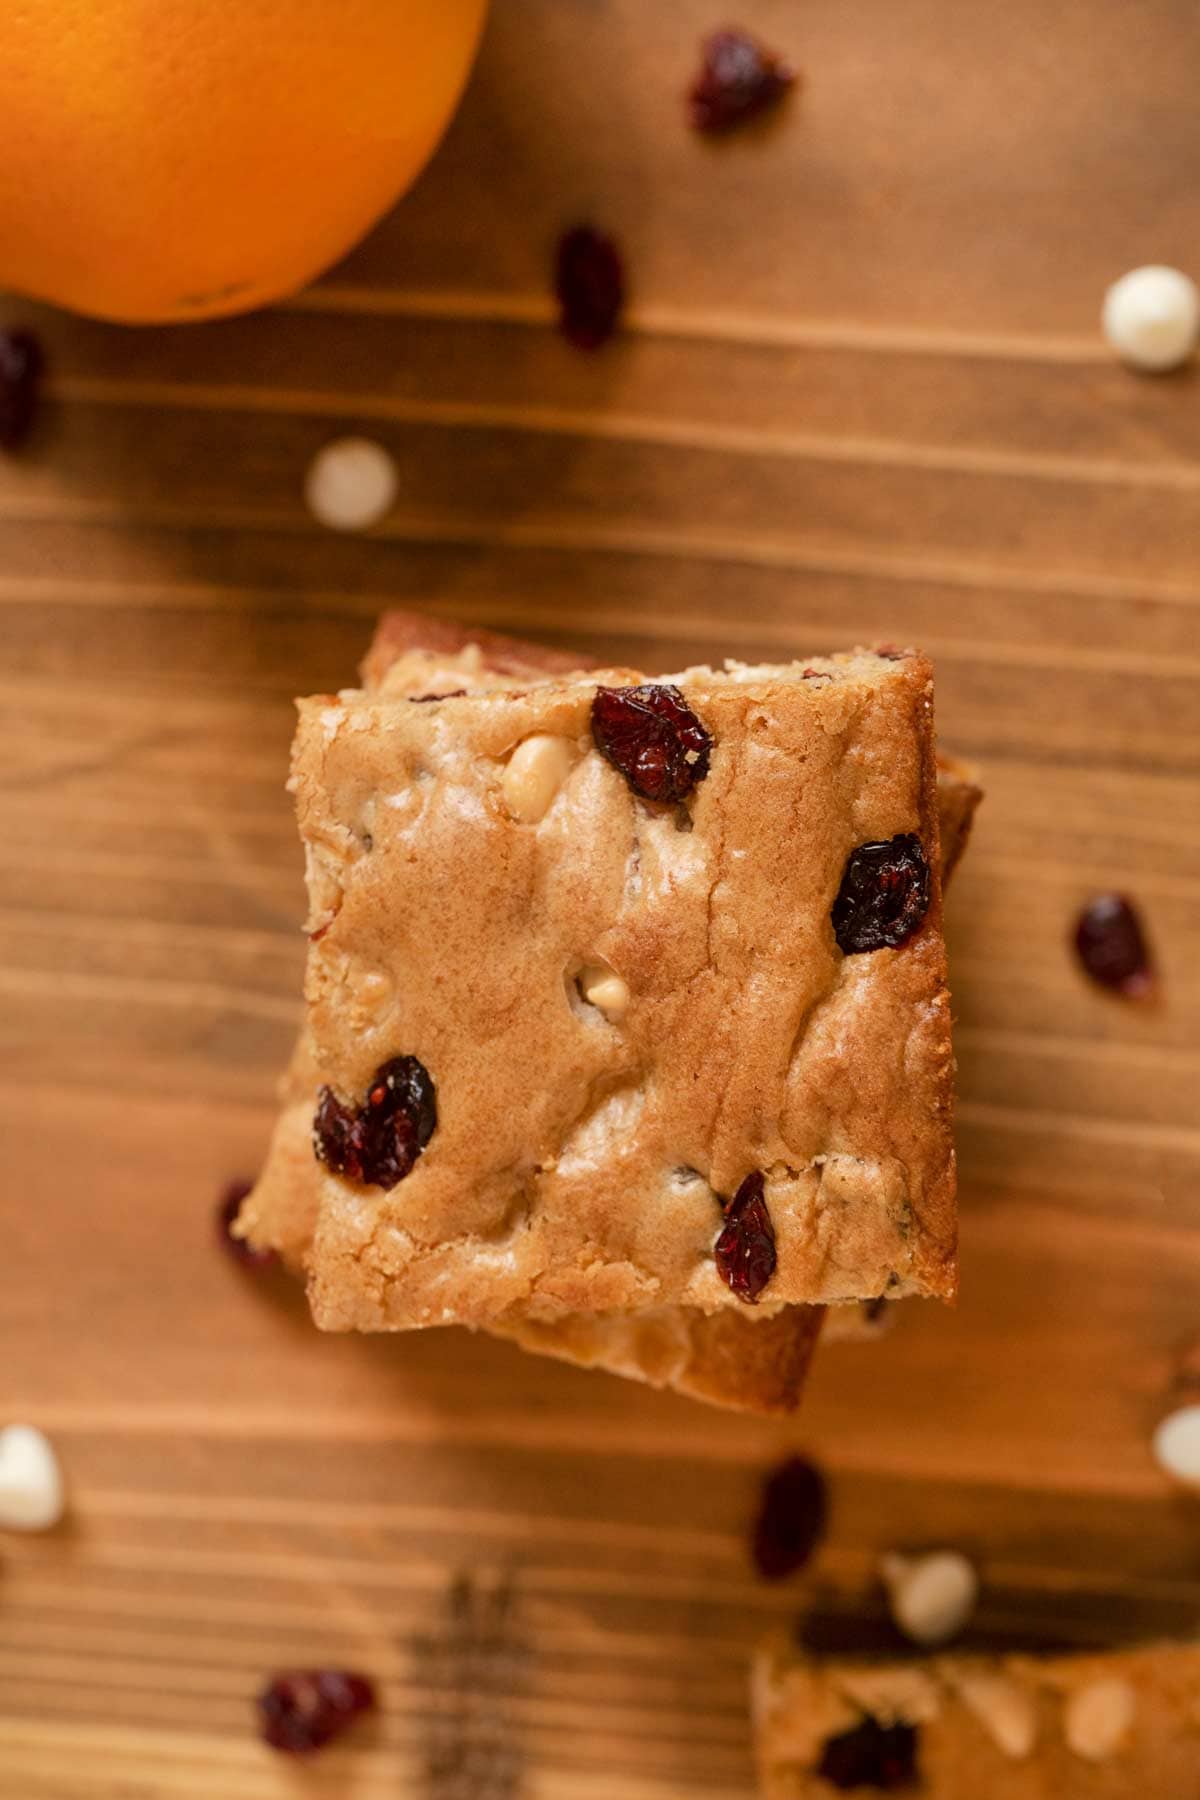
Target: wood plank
x: 928, y: 176
x: 155, y: 464
x: 860, y: 397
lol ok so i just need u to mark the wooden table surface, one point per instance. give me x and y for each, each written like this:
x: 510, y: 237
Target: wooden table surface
x: 861, y: 395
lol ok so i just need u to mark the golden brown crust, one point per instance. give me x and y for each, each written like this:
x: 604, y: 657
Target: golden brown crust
x: 959, y: 794
x: 400, y: 633
x: 280, y: 1212
x: 726, y: 1359
x: 995, y: 1727
x: 761, y: 1367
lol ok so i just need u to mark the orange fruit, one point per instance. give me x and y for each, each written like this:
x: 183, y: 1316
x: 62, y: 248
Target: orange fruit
x: 177, y: 159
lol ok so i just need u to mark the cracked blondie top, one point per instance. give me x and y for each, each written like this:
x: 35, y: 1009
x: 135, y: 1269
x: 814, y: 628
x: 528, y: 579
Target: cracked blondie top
x: 587, y: 1036
x: 1091, y: 1726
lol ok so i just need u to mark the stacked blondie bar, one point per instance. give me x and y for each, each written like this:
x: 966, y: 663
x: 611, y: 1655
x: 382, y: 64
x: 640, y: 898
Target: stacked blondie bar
x: 627, y: 1032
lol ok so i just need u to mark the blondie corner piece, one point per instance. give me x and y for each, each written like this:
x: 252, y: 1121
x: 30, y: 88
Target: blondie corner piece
x: 627, y: 993
x: 1105, y: 1725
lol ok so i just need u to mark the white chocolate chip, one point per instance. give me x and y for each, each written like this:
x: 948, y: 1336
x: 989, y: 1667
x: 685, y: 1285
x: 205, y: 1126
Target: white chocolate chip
x: 374, y: 994
x: 893, y: 1695
x: 1006, y: 1710
x: 31, y: 1487
x: 536, y: 770
x: 603, y: 988
x: 1098, y: 1718
x: 1151, y: 317
x: 931, y: 1597
x: 376, y: 987
x: 1176, y: 1444
x: 350, y: 484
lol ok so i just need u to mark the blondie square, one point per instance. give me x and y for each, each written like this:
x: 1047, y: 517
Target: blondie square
x: 705, y: 1038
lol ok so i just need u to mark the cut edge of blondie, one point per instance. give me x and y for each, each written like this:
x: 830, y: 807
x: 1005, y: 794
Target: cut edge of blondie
x: 1083, y: 1722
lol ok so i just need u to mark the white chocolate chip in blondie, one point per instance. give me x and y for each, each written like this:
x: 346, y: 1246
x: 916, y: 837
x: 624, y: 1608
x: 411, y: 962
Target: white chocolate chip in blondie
x: 603, y: 988
x: 931, y: 1597
x: 376, y: 991
x: 376, y: 987
x: 536, y: 770
x: 897, y: 1695
x: 1006, y: 1710
x: 1098, y: 1718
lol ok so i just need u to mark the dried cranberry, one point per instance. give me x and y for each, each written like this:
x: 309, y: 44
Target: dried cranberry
x: 745, y: 1249
x: 590, y: 285
x: 450, y: 694
x: 339, y: 1135
x: 1112, y: 947
x: 21, y: 365
x: 379, y: 1141
x: 653, y: 737
x: 302, y: 1709
x: 791, y: 1520
x: 738, y: 78
x: 228, y: 1208
x: 884, y: 894
x: 871, y: 1755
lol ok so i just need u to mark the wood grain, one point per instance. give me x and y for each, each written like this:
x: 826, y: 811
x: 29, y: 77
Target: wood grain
x: 860, y: 396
